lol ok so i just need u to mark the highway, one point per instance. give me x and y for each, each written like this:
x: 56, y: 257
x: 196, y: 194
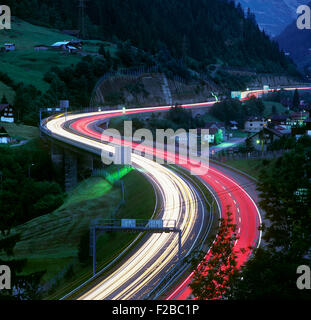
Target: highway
x: 159, y: 252
x: 181, y: 202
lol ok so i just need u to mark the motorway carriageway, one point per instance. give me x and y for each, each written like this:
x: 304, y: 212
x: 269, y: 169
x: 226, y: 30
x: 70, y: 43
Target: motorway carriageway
x: 245, y: 212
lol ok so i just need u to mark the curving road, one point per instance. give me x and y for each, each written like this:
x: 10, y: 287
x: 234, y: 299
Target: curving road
x: 181, y: 202
x: 153, y: 259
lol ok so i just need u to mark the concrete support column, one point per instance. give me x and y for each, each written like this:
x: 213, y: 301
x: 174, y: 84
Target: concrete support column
x: 57, y: 157
x: 85, y: 165
x: 71, y: 170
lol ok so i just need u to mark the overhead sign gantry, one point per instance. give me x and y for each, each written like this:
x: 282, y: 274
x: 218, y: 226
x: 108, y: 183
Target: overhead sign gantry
x: 132, y: 225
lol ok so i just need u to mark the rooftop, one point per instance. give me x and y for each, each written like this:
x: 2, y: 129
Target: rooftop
x: 3, y: 106
x: 60, y: 43
x: 209, y: 125
x: 255, y: 119
x: 279, y: 117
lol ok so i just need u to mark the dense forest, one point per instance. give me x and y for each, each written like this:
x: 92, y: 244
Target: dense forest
x: 191, y: 39
x: 27, y: 191
x: 285, y: 198
x: 197, y: 32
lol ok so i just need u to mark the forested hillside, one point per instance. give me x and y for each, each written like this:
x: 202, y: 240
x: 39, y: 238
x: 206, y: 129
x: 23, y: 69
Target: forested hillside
x: 198, y: 32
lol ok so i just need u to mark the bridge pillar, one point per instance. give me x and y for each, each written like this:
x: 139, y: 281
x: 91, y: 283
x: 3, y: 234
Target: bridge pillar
x: 85, y: 165
x: 57, y: 157
x: 71, y: 165
x: 71, y: 170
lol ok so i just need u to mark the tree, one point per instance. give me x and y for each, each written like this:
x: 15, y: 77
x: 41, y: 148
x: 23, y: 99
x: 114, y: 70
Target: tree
x: 249, y: 146
x: 269, y: 276
x: 4, y: 100
x: 181, y: 118
x: 219, y: 138
x: 105, y: 53
x: 84, y: 248
x: 229, y: 110
x: 160, y: 25
x: 215, y: 274
x: 287, y: 215
x: 254, y: 107
x: 286, y: 200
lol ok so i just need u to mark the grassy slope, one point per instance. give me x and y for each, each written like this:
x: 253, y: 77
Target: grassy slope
x: 21, y: 132
x: 56, y: 235
x: 249, y: 166
x: 280, y: 109
x: 9, y: 92
x: 29, y: 66
x: 51, y: 242
x: 25, y: 64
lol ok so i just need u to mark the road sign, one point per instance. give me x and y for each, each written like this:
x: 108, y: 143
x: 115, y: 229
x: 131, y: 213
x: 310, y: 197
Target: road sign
x: 132, y: 225
x: 155, y: 224
x: 128, y: 223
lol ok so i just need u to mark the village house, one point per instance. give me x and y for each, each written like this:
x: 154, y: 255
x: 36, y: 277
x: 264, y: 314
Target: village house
x: 233, y: 125
x: 4, y: 136
x: 265, y: 137
x: 6, y: 113
x: 9, y: 46
x: 298, y: 118
x: 70, y: 46
x: 255, y: 124
x: 302, y: 129
x: 279, y: 119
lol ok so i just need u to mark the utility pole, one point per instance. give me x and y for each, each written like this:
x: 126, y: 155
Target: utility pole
x: 82, y: 20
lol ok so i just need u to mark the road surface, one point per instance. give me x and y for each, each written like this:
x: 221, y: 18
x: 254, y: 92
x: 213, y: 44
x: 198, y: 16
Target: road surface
x: 181, y: 203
